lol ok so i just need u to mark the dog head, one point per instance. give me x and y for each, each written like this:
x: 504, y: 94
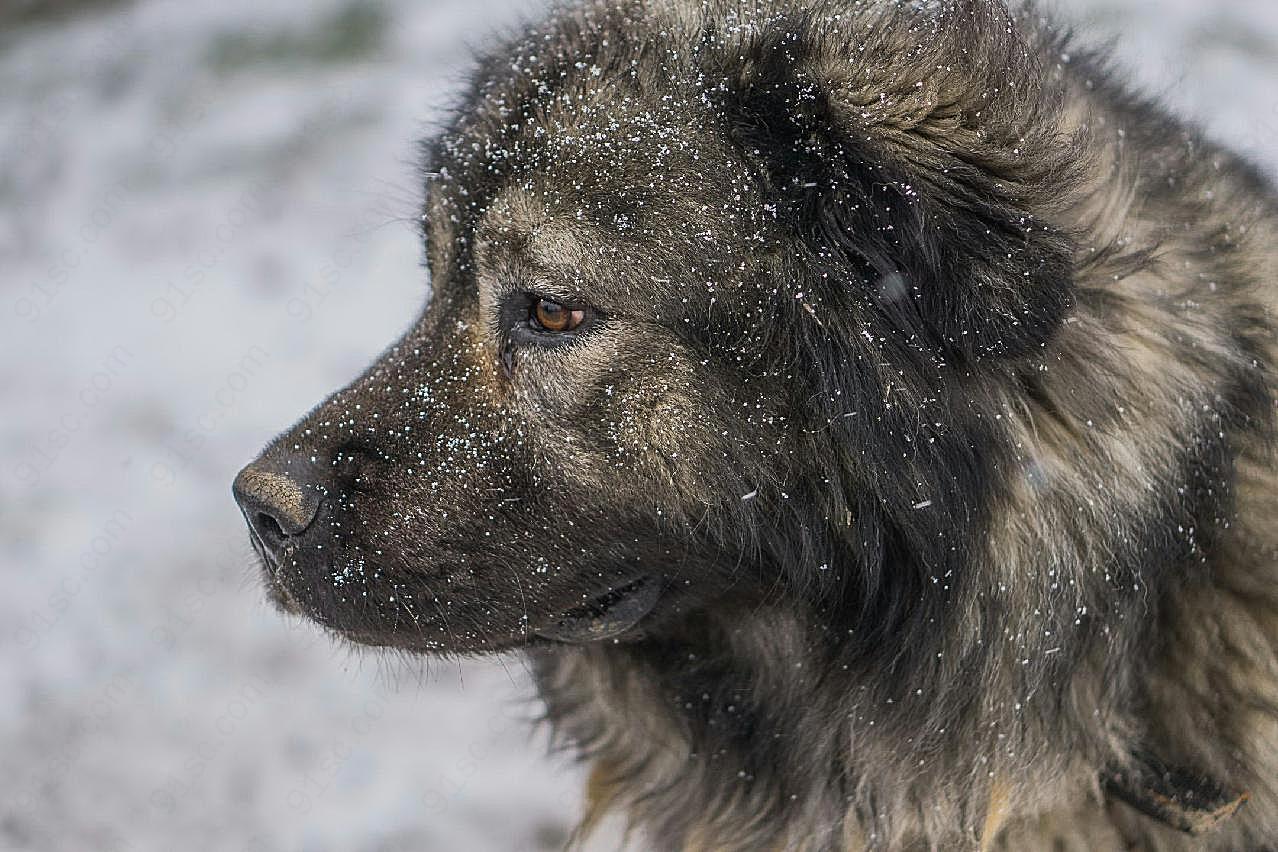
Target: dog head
x: 714, y: 297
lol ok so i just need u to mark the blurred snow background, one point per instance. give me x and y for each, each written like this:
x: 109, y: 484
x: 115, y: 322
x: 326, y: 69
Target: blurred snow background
x: 206, y: 225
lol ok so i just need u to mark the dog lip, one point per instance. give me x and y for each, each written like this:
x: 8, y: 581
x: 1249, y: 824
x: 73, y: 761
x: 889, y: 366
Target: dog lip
x: 275, y: 588
x: 279, y: 593
x: 607, y: 616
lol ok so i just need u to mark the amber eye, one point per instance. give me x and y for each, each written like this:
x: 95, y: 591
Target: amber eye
x: 554, y: 317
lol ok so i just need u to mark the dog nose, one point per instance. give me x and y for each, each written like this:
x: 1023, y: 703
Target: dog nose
x: 276, y: 504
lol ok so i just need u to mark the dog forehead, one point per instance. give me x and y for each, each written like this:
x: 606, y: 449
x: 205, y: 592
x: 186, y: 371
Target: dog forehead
x: 520, y: 227
x: 524, y: 241
x: 614, y: 260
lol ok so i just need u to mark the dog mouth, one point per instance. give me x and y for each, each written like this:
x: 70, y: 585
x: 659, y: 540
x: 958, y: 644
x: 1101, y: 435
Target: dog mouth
x: 607, y: 616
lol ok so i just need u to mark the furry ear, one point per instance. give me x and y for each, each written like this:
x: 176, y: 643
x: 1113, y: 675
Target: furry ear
x: 917, y: 194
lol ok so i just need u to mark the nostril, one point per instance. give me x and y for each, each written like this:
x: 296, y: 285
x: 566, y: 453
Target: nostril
x: 267, y: 524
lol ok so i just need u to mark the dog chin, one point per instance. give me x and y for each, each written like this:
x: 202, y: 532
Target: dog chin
x: 617, y: 614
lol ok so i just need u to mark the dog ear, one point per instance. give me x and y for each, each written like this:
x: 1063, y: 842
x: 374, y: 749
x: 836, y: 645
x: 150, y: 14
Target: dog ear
x: 910, y: 162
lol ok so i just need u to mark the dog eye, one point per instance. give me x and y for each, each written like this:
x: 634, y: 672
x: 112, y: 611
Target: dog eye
x: 555, y: 318
x: 532, y: 321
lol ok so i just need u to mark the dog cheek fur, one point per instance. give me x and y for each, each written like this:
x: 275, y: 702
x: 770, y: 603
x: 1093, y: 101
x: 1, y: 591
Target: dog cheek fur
x: 636, y: 415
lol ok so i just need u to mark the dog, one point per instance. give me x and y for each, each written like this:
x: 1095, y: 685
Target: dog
x: 859, y: 411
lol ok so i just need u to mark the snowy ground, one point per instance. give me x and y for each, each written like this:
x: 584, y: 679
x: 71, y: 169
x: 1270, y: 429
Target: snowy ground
x: 203, y: 228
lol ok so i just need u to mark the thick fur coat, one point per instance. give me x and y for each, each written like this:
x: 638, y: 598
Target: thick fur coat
x: 924, y: 369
